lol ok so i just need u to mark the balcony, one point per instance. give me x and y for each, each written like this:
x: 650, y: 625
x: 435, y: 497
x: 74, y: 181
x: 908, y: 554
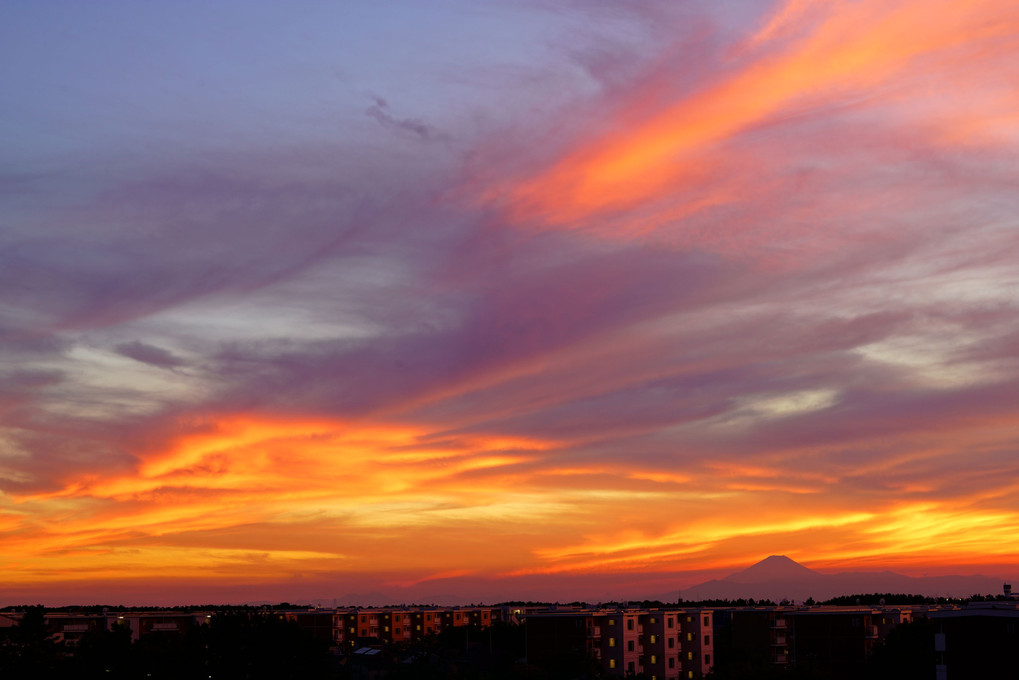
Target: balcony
x: 780, y: 659
x: 594, y: 632
x: 870, y: 631
x: 779, y: 640
x: 778, y: 623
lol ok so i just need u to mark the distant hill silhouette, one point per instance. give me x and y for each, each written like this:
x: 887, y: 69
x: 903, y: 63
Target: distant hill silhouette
x: 778, y: 577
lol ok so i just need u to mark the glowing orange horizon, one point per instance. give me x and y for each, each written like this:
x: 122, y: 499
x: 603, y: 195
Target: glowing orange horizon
x: 382, y: 496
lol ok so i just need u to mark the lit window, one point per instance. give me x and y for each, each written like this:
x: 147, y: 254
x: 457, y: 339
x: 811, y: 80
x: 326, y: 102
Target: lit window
x: 653, y: 638
x: 612, y: 663
x: 654, y: 620
x: 612, y: 642
x: 689, y: 636
x: 612, y: 622
x: 654, y: 660
x: 689, y: 656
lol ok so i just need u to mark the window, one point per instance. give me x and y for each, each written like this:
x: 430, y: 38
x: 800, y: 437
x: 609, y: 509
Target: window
x: 707, y: 640
x: 707, y: 621
x: 364, y: 619
x: 707, y: 658
x: 672, y: 642
x: 668, y: 622
x: 654, y: 659
x: 629, y: 645
x: 689, y: 636
x: 418, y: 627
x: 672, y: 662
x: 612, y: 622
x: 629, y: 624
x: 629, y: 667
x: 653, y: 638
x: 689, y: 619
x: 689, y: 656
x: 654, y: 620
x: 689, y: 674
x: 612, y: 663
x: 612, y: 642
x: 398, y: 631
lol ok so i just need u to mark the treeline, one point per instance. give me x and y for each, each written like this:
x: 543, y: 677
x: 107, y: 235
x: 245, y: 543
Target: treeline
x: 92, y: 609
x: 871, y: 599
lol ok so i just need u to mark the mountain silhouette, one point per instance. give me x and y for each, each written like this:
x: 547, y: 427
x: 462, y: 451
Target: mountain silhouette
x: 770, y: 569
x: 778, y: 577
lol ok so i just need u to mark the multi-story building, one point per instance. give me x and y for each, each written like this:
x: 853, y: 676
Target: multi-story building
x: 70, y: 629
x: 629, y: 641
x: 344, y: 629
x: 698, y: 642
x: 976, y: 642
x: 837, y: 640
x: 386, y: 625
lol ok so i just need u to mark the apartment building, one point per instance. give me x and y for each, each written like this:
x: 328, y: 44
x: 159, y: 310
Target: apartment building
x: 664, y: 644
x: 835, y: 640
x: 386, y: 625
x: 976, y: 642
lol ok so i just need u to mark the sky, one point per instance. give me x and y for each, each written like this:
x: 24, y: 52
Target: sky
x: 486, y: 300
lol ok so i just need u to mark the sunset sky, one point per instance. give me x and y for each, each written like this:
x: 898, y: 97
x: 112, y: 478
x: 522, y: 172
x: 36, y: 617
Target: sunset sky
x: 493, y: 299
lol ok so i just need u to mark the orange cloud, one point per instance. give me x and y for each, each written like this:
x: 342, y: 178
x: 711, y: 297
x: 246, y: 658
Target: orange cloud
x: 849, y: 51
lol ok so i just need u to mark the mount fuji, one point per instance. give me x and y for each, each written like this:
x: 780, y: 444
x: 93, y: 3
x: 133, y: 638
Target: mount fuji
x: 778, y: 577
